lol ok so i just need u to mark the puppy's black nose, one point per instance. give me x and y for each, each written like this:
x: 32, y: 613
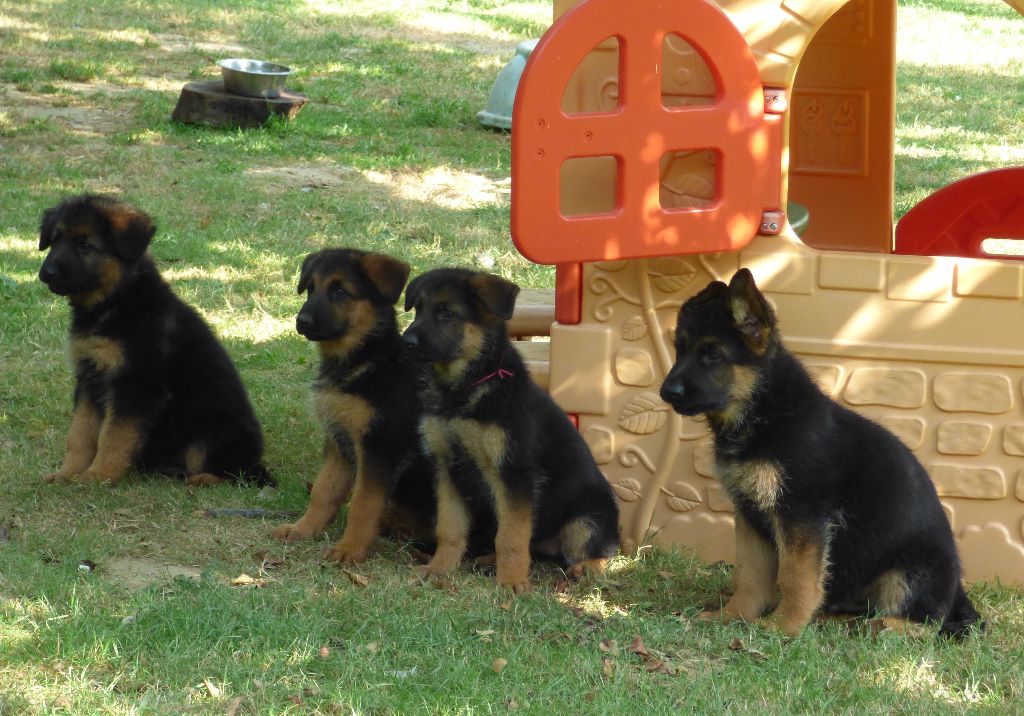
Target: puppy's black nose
x: 48, y: 273
x: 672, y: 392
x: 411, y: 339
x: 303, y: 322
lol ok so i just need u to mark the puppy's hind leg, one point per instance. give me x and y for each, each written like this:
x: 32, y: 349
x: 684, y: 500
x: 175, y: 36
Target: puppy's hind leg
x: 195, y: 474
x: 577, y: 539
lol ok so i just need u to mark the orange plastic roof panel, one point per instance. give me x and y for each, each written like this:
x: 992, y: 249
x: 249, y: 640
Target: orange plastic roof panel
x: 638, y: 133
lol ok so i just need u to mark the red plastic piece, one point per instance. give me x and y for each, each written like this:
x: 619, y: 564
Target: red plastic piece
x: 568, y: 293
x: 957, y: 218
x: 639, y: 132
x: 772, y: 223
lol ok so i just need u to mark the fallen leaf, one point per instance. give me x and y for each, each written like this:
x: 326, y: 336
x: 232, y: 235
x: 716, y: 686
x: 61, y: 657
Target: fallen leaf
x: 665, y: 575
x: 235, y: 706
x: 654, y: 665
x: 295, y: 699
x: 505, y: 605
x: 637, y: 647
x: 244, y: 580
x: 373, y: 647
x: 737, y: 645
x: 511, y: 704
x: 357, y: 579
x: 607, y: 668
x: 555, y: 636
x: 485, y: 635
x: 268, y: 561
x: 325, y: 652
x: 499, y: 664
x: 609, y: 646
x: 212, y: 688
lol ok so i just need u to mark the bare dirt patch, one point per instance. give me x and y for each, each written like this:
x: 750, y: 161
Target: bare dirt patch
x: 73, y: 114
x: 138, y: 573
x: 440, y: 186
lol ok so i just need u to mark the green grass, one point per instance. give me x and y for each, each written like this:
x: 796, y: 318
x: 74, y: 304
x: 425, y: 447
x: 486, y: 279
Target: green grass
x: 387, y: 156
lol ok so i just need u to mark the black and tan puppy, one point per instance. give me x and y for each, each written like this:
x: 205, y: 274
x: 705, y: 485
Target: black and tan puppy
x: 365, y: 397
x: 832, y: 510
x: 510, y: 466
x: 153, y: 387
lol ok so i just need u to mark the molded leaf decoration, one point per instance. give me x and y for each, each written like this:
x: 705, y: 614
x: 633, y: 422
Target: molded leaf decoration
x: 681, y: 497
x: 627, y: 489
x: 672, y: 274
x: 644, y: 414
x: 634, y: 328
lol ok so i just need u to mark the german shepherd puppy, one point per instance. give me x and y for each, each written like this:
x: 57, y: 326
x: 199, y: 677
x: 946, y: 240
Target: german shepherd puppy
x: 365, y: 396
x: 153, y: 387
x: 511, y: 469
x: 831, y: 508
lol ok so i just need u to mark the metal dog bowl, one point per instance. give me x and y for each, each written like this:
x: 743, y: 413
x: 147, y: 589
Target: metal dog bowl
x: 253, y: 78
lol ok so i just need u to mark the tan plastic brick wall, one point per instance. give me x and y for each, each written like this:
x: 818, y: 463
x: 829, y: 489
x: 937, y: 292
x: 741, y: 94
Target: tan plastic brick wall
x: 923, y: 345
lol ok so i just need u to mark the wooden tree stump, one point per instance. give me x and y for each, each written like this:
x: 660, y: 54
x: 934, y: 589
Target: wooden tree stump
x: 209, y: 103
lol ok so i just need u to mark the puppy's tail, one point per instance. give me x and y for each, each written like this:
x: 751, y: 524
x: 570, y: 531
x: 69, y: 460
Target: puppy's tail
x: 962, y: 618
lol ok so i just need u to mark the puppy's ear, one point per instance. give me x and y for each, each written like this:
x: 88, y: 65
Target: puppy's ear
x: 130, y: 229
x: 388, y: 275
x: 497, y: 294
x: 750, y: 311
x: 306, y: 272
x: 47, y: 225
x: 412, y: 291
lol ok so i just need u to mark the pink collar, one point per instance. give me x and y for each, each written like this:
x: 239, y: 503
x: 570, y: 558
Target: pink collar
x: 501, y: 374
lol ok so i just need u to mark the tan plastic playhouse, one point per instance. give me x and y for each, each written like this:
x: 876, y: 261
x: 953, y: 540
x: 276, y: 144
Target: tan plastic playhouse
x: 656, y: 147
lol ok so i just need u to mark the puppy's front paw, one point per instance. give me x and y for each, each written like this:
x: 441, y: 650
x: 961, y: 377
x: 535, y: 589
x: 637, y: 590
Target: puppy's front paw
x: 345, y: 554
x: 781, y: 624
x: 292, y: 532
x: 519, y: 584
x: 434, y: 568
x: 95, y: 478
